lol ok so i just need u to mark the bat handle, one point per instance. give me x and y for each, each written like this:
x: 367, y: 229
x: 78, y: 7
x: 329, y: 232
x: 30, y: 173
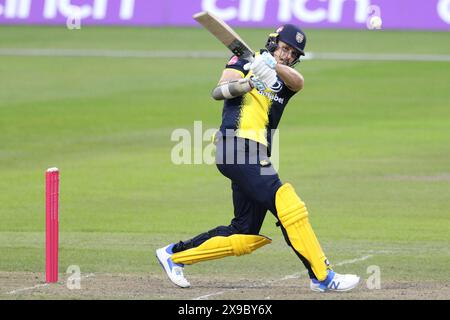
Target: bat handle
x: 249, y: 58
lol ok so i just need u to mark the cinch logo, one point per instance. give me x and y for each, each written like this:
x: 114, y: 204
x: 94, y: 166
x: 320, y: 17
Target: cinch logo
x: 287, y: 10
x: 51, y: 9
x: 13, y: 9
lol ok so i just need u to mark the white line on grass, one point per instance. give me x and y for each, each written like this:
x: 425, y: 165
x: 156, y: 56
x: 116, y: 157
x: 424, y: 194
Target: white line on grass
x: 169, y: 54
x: 206, y: 296
x: 377, y: 56
x: 93, y: 53
x: 29, y: 288
x: 354, y: 260
x: 90, y: 275
x: 292, y: 276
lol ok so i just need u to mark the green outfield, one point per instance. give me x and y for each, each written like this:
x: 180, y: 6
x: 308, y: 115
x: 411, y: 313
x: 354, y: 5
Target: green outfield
x: 366, y: 145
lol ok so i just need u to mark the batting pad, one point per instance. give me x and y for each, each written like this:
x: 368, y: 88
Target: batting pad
x: 293, y: 216
x: 220, y: 247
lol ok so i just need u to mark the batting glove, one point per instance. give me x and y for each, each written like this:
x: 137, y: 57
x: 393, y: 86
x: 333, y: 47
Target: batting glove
x: 269, y: 60
x: 263, y: 67
x: 266, y: 75
x: 258, y: 84
x: 261, y: 61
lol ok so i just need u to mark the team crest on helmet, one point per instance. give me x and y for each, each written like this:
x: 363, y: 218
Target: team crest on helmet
x: 299, y: 37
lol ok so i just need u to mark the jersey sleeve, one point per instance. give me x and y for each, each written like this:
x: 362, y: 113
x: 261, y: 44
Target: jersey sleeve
x: 288, y: 92
x: 237, y: 64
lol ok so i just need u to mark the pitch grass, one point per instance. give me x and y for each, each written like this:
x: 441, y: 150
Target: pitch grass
x: 366, y: 145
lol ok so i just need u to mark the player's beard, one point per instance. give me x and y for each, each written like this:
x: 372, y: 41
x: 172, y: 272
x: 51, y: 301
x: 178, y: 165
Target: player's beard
x: 282, y: 61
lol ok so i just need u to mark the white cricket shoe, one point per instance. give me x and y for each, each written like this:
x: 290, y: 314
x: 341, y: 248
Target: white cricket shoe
x: 173, y: 270
x: 335, y: 282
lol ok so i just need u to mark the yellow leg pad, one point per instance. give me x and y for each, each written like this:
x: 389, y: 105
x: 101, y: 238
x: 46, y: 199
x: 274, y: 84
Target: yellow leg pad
x: 219, y: 247
x: 293, y: 216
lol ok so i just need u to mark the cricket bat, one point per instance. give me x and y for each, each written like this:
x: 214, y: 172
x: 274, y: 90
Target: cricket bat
x: 225, y: 34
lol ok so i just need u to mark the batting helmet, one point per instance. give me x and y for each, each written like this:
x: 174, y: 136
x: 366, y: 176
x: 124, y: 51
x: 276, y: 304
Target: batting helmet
x: 291, y: 35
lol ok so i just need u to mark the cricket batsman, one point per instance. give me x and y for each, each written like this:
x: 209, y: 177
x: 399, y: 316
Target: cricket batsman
x: 255, y: 95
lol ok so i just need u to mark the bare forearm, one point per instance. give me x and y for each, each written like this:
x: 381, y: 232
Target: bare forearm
x: 291, y: 77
